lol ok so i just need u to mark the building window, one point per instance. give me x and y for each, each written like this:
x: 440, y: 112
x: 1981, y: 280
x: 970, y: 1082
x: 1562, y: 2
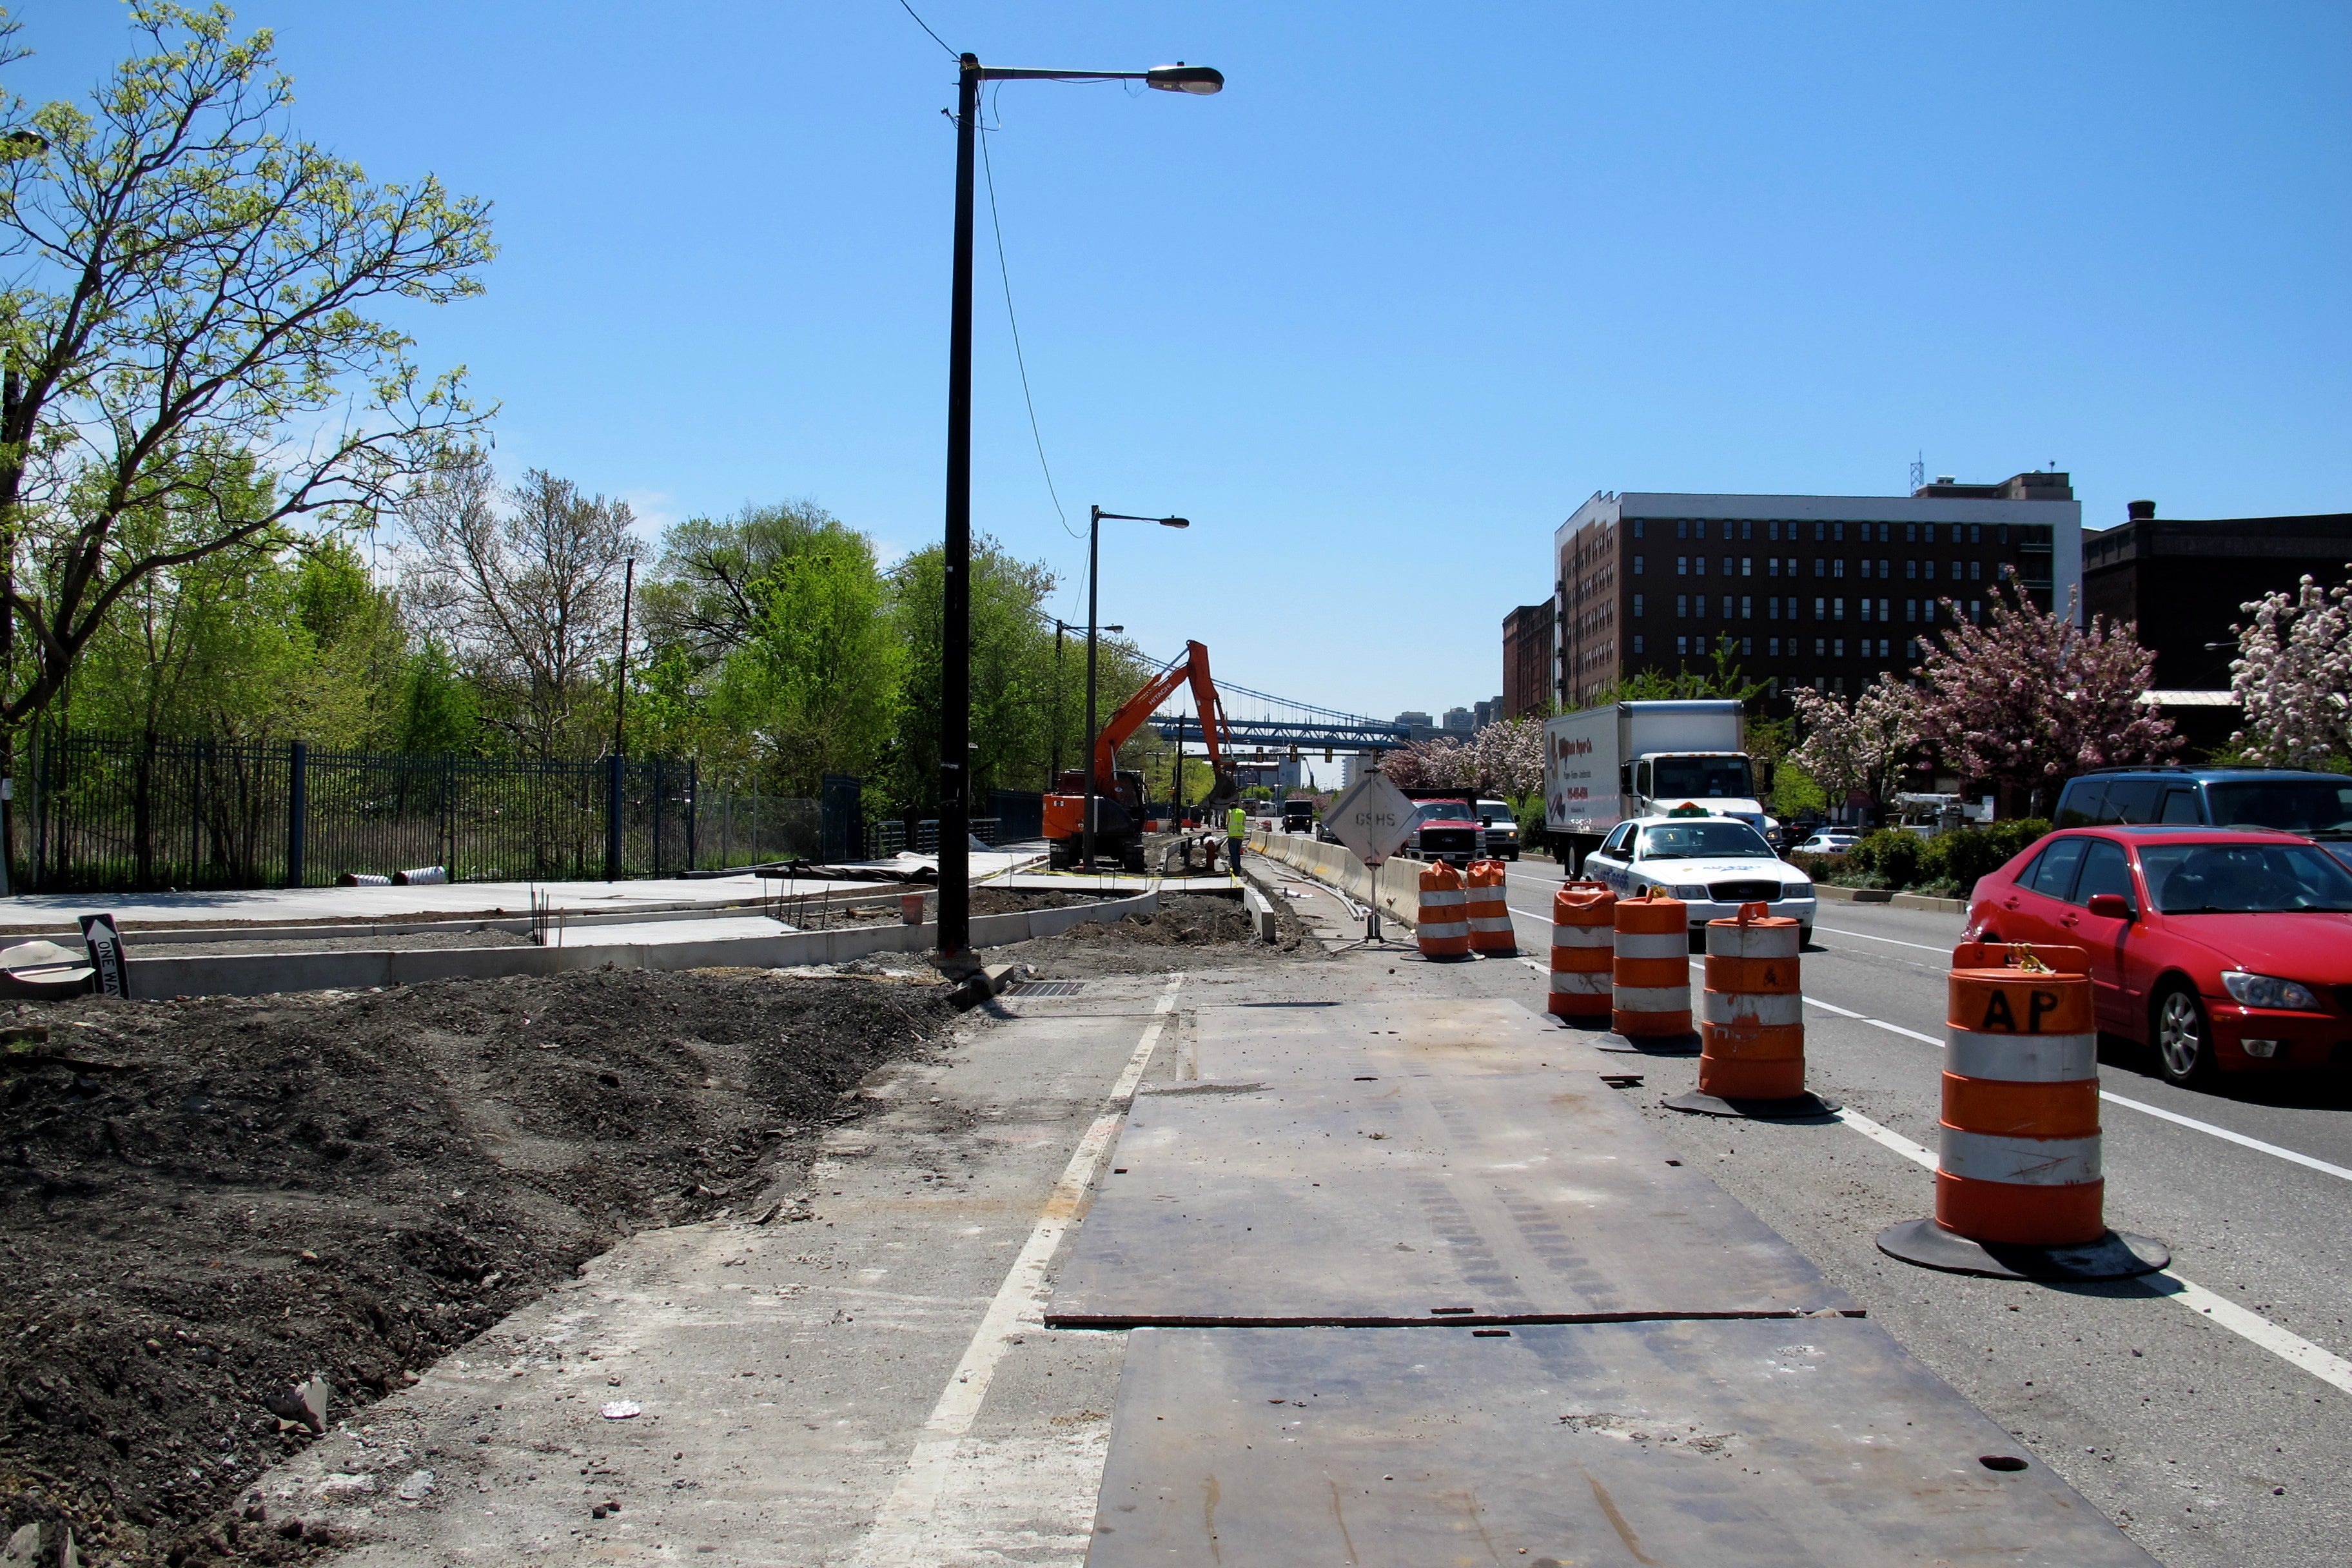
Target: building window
x: 1837, y: 533
x: 1640, y: 564
x: 1862, y: 610
x: 1682, y: 528
x: 1976, y: 570
x: 1773, y: 645
x: 1837, y: 567
x: 1637, y: 527
x: 1837, y: 647
x: 1910, y: 609
x: 1746, y: 529
x: 1910, y: 533
x: 1976, y: 611
x: 1682, y: 645
x: 1727, y: 607
x: 1837, y: 684
x: 1911, y: 570
x: 1727, y: 530
x: 1821, y: 531
x: 1772, y: 529
x: 1747, y: 607
x: 1821, y: 647
x: 1820, y: 566
x: 1885, y: 569
x: 1837, y: 609
x: 1928, y: 570
x: 1747, y: 648
x: 1866, y: 565
x: 1682, y: 565
x: 1976, y: 533
x: 1821, y: 683
x: 1637, y: 643
x: 1637, y: 605
x: 1772, y: 567
x: 1821, y: 609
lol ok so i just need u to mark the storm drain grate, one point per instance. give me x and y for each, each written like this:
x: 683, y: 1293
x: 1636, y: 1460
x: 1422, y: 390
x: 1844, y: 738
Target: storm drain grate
x: 1045, y: 988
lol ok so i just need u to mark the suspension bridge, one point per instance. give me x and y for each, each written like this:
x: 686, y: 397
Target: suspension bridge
x: 1263, y: 721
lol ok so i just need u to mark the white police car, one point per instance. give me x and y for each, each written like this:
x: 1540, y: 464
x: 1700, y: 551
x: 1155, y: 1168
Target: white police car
x: 1714, y: 864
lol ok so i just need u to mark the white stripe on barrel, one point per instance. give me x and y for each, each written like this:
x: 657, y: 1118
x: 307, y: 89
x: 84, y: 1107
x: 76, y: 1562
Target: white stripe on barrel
x: 1652, y: 944
x: 1582, y: 936
x: 2019, y: 1162
x: 1591, y: 983
x: 2020, y: 1059
x: 1725, y: 939
x: 1653, y: 998
x: 1747, y: 1007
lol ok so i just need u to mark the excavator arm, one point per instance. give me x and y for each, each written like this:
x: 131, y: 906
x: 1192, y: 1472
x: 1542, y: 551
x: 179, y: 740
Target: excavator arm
x: 1194, y: 666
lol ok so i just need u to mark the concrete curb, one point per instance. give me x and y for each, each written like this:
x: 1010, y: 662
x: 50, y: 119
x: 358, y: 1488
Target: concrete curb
x: 1884, y: 896
x: 264, y: 973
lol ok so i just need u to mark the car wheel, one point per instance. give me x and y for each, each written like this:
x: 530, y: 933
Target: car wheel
x: 2184, y: 1037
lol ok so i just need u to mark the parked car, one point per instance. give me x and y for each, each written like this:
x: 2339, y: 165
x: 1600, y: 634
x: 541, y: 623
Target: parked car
x: 1498, y: 830
x: 2225, y: 951
x: 1714, y: 864
x: 1830, y: 841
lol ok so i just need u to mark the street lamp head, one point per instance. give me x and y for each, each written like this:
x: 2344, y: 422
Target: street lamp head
x: 1181, y: 77
x: 1175, y: 523
x: 1113, y: 628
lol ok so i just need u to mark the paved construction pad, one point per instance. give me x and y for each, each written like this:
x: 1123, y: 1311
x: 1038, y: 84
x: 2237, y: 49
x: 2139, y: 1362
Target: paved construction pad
x: 1409, y: 1194
x: 1818, y: 1443
x: 1341, y: 1039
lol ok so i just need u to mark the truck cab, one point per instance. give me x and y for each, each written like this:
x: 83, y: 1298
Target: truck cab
x: 1724, y: 783
x: 1298, y: 814
x: 1443, y: 829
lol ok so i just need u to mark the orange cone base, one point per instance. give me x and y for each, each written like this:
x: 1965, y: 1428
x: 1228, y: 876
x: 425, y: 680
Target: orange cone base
x: 1999, y: 1214
x: 1645, y: 1025
x: 1576, y: 1004
x: 1789, y: 1108
x: 1738, y: 1078
x: 2112, y: 1255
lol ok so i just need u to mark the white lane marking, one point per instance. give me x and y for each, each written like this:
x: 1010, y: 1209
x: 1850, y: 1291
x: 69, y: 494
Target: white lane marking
x: 2295, y: 1156
x: 1923, y: 947
x: 2252, y: 1327
x: 2239, y: 1138
x: 903, y: 1529
x: 2325, y: 1365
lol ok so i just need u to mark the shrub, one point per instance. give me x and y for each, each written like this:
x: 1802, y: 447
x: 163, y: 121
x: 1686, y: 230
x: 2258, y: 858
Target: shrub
x: 1960, y: 856
x: 1890, y: 853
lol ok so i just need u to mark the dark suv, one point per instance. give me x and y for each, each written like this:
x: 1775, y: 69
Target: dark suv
x: 2285, y: 800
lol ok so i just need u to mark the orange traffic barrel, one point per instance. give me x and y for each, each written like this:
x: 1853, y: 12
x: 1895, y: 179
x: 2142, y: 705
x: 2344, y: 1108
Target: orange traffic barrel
x: 2018, y: 1178
x: 1751, y: 1016
x: 1444, y: 926
x: 2020, y: 1156
x: 1490, y: 913
x: 1584, y: 941
x: 1650, y: 967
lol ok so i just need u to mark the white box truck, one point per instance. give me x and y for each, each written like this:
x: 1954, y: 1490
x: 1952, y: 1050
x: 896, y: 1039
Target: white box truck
x: 1642, y: 759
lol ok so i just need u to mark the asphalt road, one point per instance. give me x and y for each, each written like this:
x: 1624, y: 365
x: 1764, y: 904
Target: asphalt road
x: 2209, y: 1416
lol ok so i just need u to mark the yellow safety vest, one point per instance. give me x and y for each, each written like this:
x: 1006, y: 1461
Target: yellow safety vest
x: 1236, y: 822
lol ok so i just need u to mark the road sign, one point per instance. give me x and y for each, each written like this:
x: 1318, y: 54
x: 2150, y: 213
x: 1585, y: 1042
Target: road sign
x: 1373, y: 818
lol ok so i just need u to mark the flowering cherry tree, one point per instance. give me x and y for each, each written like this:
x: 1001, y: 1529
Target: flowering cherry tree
x: 2292, y: 676
x: 1504, y: 759
x: 1857, y: 746
x: 2030, y: 698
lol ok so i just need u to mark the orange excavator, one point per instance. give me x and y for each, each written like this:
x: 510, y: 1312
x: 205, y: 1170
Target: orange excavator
x: 1118, y: 795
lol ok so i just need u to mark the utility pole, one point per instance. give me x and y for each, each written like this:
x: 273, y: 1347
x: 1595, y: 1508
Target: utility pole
x: 621, y: 666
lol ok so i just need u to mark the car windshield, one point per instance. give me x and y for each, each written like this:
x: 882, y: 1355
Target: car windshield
x: 1704, y: 840
x: 1498, y: 811
x: 2312, y: 807
x: 1703, y: 778
x: 2243, y: 879
x: 1443, y: 811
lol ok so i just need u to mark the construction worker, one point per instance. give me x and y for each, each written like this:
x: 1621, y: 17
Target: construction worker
x: 1237, y: 825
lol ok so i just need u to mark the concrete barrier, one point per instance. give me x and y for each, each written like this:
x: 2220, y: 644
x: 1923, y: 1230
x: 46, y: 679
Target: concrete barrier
x: 1881, y: 895
x: 1396, y: 888
x: 266, y: 973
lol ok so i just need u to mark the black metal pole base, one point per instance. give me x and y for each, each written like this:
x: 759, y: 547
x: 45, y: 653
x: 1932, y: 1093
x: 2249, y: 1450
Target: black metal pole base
x: 1796, y: 1108
x: 2114, y: 1255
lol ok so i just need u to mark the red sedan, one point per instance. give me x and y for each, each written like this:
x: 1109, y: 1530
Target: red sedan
x: 2226, y: 951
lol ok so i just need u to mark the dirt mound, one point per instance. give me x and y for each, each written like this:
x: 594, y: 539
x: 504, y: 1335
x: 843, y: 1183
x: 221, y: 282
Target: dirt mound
x: 202, y: 1204
x: 1173, y: 938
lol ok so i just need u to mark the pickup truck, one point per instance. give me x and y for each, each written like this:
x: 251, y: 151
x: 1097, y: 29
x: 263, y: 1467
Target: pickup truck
x: 1446, y: 829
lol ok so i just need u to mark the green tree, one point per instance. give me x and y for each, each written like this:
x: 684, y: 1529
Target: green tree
x: 193, y: 296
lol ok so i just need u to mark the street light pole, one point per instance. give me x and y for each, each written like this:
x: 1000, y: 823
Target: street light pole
x: 1094, y: 559
x: 955, y: 611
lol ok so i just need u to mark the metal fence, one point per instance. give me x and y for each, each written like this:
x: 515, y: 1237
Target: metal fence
x: 108, y: 815
x: 105, y: 814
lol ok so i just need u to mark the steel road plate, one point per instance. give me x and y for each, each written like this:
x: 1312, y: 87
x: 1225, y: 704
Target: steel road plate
x: 1338, y: 1041
x: 1768, y: 1445
x: 1413, y: 1196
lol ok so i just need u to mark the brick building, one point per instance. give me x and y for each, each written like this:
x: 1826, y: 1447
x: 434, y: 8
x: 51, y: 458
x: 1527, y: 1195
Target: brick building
x: 1824, y: 590
x: 1527, y: 661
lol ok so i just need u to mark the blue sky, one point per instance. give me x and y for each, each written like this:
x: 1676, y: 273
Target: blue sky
x: 1378, y: 317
